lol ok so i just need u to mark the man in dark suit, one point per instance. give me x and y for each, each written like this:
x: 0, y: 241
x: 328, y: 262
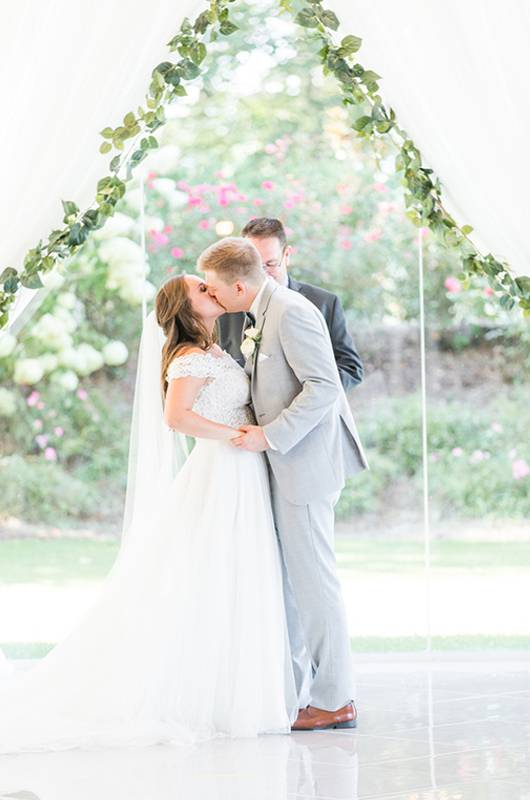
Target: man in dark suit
x: 268, y: 236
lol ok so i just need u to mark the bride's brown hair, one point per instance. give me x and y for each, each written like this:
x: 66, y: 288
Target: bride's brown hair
x: 181, y: 325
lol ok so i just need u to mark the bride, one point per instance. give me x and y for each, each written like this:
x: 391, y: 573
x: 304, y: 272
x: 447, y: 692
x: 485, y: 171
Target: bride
x: 187, y: 639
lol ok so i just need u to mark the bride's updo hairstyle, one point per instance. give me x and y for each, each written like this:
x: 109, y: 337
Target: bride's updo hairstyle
x: 181, y: 325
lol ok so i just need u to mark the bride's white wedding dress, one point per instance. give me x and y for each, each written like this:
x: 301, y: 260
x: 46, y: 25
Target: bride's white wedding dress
x: 187, y: 639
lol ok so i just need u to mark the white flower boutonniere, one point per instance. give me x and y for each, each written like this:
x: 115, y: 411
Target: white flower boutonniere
x: 250, y: 342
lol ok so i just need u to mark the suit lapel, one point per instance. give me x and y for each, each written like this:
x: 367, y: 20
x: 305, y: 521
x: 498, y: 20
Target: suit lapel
x: 270, y: 288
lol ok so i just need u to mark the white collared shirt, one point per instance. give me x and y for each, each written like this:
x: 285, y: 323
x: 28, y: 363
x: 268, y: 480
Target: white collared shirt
x: 255, y: 303
x: 254, y: 311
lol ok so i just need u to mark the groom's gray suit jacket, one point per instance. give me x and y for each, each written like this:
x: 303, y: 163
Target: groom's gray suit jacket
x: 351, y: 371
x: 299, y: 400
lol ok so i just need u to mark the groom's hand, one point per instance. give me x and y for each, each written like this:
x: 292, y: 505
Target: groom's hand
x: 252, y: 439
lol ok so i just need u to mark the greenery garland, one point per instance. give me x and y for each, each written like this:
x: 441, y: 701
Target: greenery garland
x: 359, y: 87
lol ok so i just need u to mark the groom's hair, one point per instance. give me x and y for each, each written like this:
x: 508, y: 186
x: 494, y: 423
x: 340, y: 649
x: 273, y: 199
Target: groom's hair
x: 233, y: 258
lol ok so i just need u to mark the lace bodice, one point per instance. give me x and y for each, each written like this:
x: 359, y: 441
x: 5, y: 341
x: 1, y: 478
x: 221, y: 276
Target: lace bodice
x: 225, y: 397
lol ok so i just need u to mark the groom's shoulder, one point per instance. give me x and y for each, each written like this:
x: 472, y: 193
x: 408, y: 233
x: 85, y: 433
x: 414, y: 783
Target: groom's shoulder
x: 286, y: 299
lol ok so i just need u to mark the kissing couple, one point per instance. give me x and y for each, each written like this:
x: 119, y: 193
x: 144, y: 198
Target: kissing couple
x: 222, y: 614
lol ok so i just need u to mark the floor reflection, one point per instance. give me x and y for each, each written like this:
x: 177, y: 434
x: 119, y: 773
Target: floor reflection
x: 269, y: 767
x: 442, y: 731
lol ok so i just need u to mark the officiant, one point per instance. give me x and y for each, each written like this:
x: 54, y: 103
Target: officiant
x: 269, y: 237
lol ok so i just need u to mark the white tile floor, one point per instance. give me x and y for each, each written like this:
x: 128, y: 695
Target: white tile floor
x: 438, y: 731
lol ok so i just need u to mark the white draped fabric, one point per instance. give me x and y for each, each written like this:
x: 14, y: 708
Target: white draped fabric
x: 454, y: 73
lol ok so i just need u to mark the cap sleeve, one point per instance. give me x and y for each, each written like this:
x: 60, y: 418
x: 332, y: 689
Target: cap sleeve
x: 194, y: 365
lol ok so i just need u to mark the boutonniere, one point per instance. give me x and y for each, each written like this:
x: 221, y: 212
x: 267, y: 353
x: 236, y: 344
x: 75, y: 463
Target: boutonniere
x: 251, y: 341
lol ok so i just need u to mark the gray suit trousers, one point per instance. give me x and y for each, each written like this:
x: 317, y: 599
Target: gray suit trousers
x: 316, y: 616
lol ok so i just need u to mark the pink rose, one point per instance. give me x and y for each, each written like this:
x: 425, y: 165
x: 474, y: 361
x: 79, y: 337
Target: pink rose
x: 177, y: 252
x: 452, y: 285
x: 258, y: 202
x: 33, y: 398
x: 346, y: 244
x: 520, y: 469
x: 380, y: 187
x: 82, y: 394
x: 488, y: 291
x: 42, y: 440
x: 204, y: 224
x: 37, y: 424
x: 372, y: 236
x: 50, y: 454
x: 58, y: 431
x: 159, y: 238
x: 267, y: 185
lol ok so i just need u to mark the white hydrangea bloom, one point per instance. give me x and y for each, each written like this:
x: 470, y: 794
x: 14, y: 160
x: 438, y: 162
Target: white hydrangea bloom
x: 49, y: 362
x: 154, y: 223
x: 115, y: 353
x: 54, y: 332
x: 120, y: 249
x: 8, y: 403
x: 67, y: 380
x: 28, y: 371
x: 134, y: 291
x: 163, y: 160
x: 92, y: 360
x: 7, y: 344
x: 117, y: 225
x: 52, y: 279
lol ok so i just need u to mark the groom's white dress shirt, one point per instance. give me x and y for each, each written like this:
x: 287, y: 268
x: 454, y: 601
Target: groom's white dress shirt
x: 254, y: 311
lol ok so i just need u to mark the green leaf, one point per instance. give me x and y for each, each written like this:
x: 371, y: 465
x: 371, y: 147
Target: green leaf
x: 8, y: 272
x: 129, y: 120
x: 189, y: 70
x: 31, y: 281
x: 369, y: 76
x: 198, y: 52
x: 202, y: 22
x: 361, y: 123
x: 179, y: 91
x: 523, y: 283
x: 227, y: 28
x: 69, y: 207
x: 306, y: 18
x: 467, y: 229
x: 350, y: 45
x: 11, y: 285
x: 107, y: 133
x: 106, y: 147
x: 329, y: 19
x: 162, y: 68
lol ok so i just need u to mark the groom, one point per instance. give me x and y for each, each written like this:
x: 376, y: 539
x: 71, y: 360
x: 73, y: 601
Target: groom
x: 308, y: 434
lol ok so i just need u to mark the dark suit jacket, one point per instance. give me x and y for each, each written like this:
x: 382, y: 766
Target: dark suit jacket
x: 230, y: 330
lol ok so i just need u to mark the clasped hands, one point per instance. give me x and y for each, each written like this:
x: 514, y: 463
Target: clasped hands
x: 252, y: 438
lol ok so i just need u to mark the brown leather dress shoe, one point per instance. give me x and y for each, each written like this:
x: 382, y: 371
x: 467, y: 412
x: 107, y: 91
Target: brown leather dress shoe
x: 311, y: 718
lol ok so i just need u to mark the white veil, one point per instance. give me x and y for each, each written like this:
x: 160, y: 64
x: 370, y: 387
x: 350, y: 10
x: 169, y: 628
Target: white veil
x: 156, y: 452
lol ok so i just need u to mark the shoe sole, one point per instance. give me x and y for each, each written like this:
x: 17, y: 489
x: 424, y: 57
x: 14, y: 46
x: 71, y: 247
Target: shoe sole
x: 350, y: 724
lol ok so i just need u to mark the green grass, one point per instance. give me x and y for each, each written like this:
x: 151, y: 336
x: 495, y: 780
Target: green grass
x: 60, y: 562
x: 363, y: 644
x: 406, y: 556
x: 63, y: 562
x: 57, y: 562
